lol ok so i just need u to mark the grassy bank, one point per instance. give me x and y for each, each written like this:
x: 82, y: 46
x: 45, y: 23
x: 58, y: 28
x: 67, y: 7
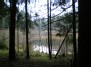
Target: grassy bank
x: 36, y: 62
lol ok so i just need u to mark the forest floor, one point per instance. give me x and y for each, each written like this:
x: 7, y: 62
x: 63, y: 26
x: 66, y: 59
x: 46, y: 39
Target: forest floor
x: 36, y: 62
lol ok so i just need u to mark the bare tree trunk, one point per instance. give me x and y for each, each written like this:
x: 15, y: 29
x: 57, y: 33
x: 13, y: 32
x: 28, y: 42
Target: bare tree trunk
x: 12, y: 30
x: 50, y: 30
x: 74, y: 36
x: 63, y: 40
x: 49, y: 44
x: 27, y: 31
x: 84, y: 34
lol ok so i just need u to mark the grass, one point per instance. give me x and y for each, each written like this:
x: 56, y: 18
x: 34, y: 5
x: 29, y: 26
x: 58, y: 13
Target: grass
x: 36, y: 60
x: 3, y: 53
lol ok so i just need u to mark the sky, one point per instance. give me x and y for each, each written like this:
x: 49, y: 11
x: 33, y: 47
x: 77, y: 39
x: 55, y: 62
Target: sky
x: 40, y: 7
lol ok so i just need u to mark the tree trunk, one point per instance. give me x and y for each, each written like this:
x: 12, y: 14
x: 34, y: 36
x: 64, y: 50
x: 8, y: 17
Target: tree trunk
x: 50, y: 30
x: 84, y: 34
x: 74, y: 36
x: 49, y: 44
x: 27, y: 43
x: 12, y: 30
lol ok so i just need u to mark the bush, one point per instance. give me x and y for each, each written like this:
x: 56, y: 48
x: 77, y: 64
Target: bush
x: 70, y: 39
x: 3, y: 45
x: 36, y: 53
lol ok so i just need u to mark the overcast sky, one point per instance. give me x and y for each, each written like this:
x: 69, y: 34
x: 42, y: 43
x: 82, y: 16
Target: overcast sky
x: 40, y: 7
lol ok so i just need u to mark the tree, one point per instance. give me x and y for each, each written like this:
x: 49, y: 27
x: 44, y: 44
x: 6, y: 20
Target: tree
x: 4, y: 12
x: 12, y: 30
x: 64, y: 25
x: 65, y: 22
x: 4, y: 9
x: 84, y: 34
x: 18, y: 24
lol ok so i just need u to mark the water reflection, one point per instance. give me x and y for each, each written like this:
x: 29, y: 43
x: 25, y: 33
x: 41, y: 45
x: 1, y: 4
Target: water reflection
x: 42, y: 46
x: 43, y: 49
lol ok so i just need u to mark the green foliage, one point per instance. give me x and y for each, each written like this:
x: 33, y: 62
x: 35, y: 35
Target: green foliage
x: 21, y: 21
x: 4, y: 23
x: 64, y: 23
x: 35, y: 23
x: 3, y: 53
x: 3, y: 45
x: 4, y: 9
x: 36, y: 54
x: 39, y: 54
x: 70, y: 39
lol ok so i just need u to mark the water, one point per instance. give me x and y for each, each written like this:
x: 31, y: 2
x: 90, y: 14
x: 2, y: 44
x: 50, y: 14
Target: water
x: 43, y: 49
x: 42, y: 46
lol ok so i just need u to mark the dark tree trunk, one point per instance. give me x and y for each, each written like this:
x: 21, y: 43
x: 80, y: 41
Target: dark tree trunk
x: 12, y: 30
x: 50, y: 31
x: 27, y: 42
x: 18, y: 35
x: 74, y: 36
x: 49, y: 44
x: 63, y: 40
x: 84, y: 38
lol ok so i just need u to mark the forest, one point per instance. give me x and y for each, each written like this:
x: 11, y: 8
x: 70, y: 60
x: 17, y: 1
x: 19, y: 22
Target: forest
x: 28, y: 39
